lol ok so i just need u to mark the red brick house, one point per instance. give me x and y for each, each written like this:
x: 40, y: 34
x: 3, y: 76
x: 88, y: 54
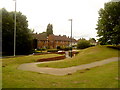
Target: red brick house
x: 41, y: 40
x: 52, y: 41
x: 55, y: 41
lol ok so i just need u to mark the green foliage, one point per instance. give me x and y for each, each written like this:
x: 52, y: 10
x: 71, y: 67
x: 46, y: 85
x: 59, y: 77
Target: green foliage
x: 49, y: 29
x: 23, y: 34
x: 114, y: 46
x: 58, y: 47
x: 82, y: 44
x: 41, y: 49
x: 68, y: 48
x: 64, y: 48
x: 52, y: 50
x: 108, y: 27
x: 92, y: 40
x: 34, y: 43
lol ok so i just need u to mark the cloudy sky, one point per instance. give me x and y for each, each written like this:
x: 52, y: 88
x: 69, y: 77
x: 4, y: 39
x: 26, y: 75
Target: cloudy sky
x: 57, y: 12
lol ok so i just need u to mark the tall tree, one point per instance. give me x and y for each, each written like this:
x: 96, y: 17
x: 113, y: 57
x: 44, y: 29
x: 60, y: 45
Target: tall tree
x: 49, y: 29
x: 108, y: 27
x: 23, y: 34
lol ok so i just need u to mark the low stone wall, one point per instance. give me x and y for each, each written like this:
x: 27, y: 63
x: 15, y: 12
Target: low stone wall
x: 60, y: 52
x: 74, y: 52
x: 49, y: 53
x: 51, y: 59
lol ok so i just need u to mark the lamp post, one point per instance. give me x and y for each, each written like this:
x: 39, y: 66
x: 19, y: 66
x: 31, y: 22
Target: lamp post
x: 15, y: 28
x: 71, y: 36
x: 47, y: 42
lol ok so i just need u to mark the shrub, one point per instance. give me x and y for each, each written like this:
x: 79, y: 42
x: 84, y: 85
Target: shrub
x: 58, y: 47
x: 83, y: 44
x: 92, y: 45
x: 114, y: 47
x: 66, y: 48
x: 41, y: 49
x: 70, y: 54
x: 74, y: 46
x: 52, y: 50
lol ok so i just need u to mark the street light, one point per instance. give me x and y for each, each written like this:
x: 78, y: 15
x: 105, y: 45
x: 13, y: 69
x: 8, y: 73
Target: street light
x: 71, y: 36
x: 47, y: 42
x: 15, y: 28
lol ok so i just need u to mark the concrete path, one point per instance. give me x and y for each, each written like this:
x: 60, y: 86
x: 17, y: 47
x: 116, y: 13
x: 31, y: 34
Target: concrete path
x: 62, y: 71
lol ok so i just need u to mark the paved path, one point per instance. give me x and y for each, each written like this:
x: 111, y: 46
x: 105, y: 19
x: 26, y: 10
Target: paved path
x: 62, y: 71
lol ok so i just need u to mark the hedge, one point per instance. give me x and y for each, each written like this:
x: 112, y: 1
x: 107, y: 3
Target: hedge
x: 52, y: 50
x: 114, y: 47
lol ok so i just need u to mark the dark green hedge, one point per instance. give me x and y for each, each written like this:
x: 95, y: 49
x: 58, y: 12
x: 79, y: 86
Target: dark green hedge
x: 41, y: 49
x: 64, y: 48
x: 52, y: 50
x: 114, y: 47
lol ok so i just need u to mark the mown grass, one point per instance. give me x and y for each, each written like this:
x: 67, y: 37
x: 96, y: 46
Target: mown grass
x: 85, y: 56
x: 26, y: 59
x: 98, y: 77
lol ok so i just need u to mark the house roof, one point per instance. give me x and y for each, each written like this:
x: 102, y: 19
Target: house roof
x: 62, y: 38
x: 41, y: 36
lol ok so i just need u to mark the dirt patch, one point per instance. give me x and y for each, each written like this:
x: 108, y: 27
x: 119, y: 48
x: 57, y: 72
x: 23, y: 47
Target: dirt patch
x: 3, y: 66
x: 82, y: 72
x: 83, y: 81
x: 87, y: 69
x: 69, y: 74
x: 117, y: 78
x: 76, y: 82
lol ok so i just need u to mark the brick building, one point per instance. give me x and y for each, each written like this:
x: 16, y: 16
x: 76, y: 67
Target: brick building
x: 40, y: 40
x: 52, y: 41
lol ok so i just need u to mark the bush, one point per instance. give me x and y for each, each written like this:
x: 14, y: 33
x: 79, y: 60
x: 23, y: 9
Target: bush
x: 70, y: 54
x: 66, y: 48
x: 74, y: 46
x: 41, y: 49
x: 92, y: 45
x: 114, y: 47
x: 52, y: 50
x: 82, y: 44
x: 58, y: 47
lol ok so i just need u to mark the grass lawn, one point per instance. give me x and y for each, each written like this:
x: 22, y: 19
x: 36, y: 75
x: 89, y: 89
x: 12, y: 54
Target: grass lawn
x: 98, y: 77
x: 85, y: 56
x: 26, y: 59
